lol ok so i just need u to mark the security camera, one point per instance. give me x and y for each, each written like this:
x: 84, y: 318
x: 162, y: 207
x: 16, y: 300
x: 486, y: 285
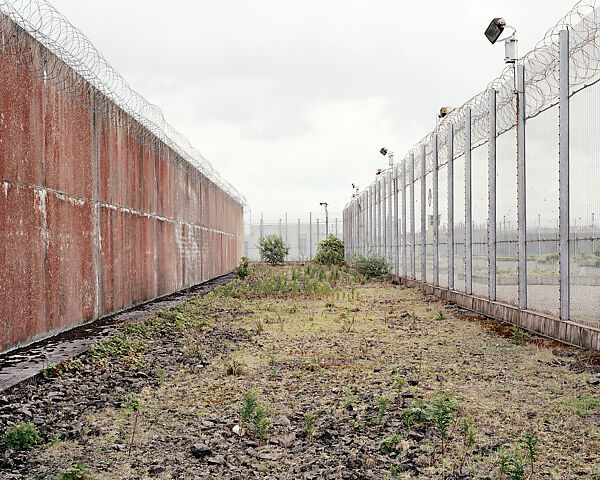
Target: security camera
x: 383, y: 151
x: 495, y: 29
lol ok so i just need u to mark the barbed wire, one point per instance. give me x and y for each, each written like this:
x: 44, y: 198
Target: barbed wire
x: 541, y: 87
x: 42, y: 40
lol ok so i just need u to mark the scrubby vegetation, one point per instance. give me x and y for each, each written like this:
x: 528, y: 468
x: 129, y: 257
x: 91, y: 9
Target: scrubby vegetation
x: 272, y: 249
x: 330, y: 251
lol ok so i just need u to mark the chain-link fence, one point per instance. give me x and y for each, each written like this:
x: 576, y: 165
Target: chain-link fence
x: 301, y: 235
x: 501, y: 200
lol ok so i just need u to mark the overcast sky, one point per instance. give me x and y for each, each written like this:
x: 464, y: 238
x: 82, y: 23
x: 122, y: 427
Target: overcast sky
x: 291, y: 101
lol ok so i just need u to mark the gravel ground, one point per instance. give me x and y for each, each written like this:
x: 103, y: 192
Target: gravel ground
x: 369, y: 362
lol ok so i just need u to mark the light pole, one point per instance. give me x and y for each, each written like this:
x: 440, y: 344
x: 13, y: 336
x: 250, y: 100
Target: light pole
x: 324, y: 205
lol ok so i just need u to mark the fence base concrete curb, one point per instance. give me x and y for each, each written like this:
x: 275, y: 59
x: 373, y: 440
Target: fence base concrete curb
x: 576, y: 334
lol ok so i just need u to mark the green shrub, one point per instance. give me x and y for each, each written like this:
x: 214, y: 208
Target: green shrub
x: 243, y: 270
x: 22, y: 435
x: 371, y: 267
x: 272, y: 249
x: 330, y: 251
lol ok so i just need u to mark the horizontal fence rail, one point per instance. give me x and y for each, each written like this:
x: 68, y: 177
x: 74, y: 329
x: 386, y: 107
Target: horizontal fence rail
x: 503, y: 195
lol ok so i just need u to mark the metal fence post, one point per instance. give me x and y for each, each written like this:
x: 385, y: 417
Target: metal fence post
x: 492, y: 195
x: 299, y: 249
x: 378, y: 184
x: 521, y: 187
x: 468, y: 207
x: 390, y: 221
x: 383, y: 217
x: 436, y: 231
x: 365, y: 221
x: 423, y: 216
x: 563, y: 176
x: 373, y: 218
x: 404, y: 253
x: 310, y: 237
x: 413, y: 246
x: 261, y: 226
x: 286, y: 229
x: 395, y: 240
x: 450, y: 144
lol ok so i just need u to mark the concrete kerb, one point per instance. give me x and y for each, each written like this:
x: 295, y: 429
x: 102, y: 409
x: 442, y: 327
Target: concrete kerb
x: 567, y: 332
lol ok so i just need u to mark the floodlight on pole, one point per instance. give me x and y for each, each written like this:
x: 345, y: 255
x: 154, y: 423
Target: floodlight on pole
x: 324, y: 205
x: 493, y: 33
x: 384, y: 151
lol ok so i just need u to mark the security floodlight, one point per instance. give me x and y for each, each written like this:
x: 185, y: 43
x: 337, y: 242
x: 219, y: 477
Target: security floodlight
x: 323, y: 204
x: 445, y: 111
x: 493, y: 32
x: 384, y: 151
x: 495, y: 29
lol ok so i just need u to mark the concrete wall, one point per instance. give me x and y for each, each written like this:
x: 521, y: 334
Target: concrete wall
x: 93, y: 219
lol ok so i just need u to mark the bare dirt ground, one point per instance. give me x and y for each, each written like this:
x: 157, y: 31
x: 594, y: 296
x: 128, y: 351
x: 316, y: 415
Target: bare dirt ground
x: 340, y: 379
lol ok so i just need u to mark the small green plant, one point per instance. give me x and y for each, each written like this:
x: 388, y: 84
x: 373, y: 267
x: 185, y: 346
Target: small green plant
x: 254, y: 415
x: 529, y: 442
x: 261, y: 421
x: 272, y: 249
x: 330, y: 251
x: 388, y: 444
x: 468, y: 441
x: 382, y: 406
x: 235, y: 367
x: 79, y: 471
x: 441, y: 315
x: 309, y: 421
x: 399, y: 382
x: 243, y: 269
x: 503, y: 463
x: 21, y: 436
x: 442, y: 410
x: 132, y: 405
x: 516, y: 467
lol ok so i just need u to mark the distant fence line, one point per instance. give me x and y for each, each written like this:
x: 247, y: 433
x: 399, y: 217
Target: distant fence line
x: 498, y: 205
x: 302, y: 235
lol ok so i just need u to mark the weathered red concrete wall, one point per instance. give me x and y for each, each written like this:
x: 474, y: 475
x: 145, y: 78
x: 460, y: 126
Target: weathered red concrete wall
x: 92, y: 220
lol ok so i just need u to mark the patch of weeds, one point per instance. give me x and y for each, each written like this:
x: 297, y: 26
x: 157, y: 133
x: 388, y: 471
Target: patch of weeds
x: 259, y: 326
x: 347, y: 323
x: 441, y: 315
x: 79, y: 471
x: 309, y: 425
x: 21, y: 436
x: 585, y: 406
x: 119, y: 345
x: 69, y: 365
x: 519, y: 335
x: 389, y: 444
x: 350, y: 399
x: 235, y: 367
x: 53, y: 441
